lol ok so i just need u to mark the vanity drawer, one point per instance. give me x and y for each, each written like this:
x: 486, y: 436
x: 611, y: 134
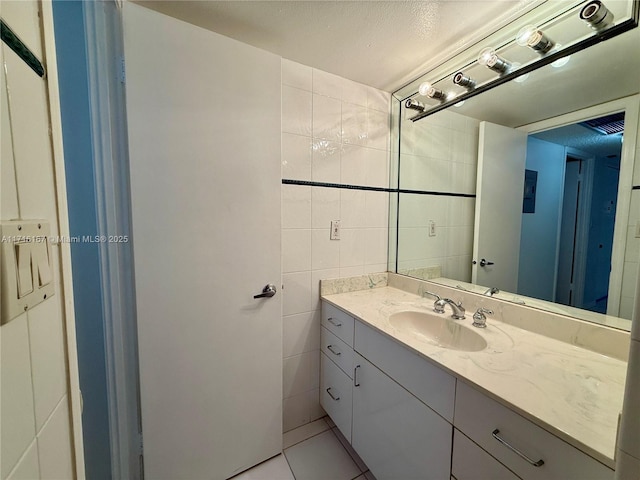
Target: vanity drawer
x: 478, y: 417
x: 336, y: 394
x: 470, y: 462
x: 337, y: 350
x: 432, y: 385
x: 338, y: 322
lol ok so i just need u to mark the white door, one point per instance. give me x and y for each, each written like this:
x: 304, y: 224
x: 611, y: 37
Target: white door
x: 565, y: 289
x: 502, y: 154
x: 204, y: 140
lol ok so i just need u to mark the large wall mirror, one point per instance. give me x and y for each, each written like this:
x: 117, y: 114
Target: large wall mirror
x: 529, y: 191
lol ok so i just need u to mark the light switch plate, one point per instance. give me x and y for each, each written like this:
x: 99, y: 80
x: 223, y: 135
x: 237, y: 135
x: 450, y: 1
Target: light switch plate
x: 31, y: 239
x: 432, y: 228
x: 335, y: 230
x: 638, y: 229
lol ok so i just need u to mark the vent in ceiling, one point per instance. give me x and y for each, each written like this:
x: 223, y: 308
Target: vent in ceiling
x: 609, y: 125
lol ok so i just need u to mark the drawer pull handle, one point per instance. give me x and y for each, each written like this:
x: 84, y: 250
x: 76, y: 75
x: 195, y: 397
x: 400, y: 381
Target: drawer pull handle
x: 495, y: 433
x: 355, y: 376
x: 330, y: 348
x: 331, y: 394
x: 333, y: 322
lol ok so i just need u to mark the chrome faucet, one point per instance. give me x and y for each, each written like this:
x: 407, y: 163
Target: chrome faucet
x: 456, y: 308
x: 480, y: 319
x: 490, y: 292
x: 431, y: 294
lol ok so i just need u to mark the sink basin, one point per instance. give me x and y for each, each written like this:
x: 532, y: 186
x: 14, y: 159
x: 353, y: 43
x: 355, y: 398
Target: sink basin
x: 440, y: 331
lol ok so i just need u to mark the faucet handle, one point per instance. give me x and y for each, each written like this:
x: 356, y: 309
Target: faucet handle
x: 425, y: 293
x: 438, y: 305
x: 479, y: 318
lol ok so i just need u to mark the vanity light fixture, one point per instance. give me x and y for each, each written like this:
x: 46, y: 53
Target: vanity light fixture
x: 428, y: 90
x: 490, y: 59
x: 464, y: 81
x: 596, y: 15
x: 415, y: 105
x: 532, y: 37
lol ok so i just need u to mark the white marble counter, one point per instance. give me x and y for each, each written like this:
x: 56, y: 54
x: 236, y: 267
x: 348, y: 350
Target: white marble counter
x: 570, y: 391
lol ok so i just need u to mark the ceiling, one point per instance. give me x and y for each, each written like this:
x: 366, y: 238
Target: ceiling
x: 584, y: 139
x: 384, y: 44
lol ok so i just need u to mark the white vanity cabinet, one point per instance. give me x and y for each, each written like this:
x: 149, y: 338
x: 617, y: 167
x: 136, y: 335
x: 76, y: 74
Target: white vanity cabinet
x: 336, y: 366
x: 397, y: 435
x: 336, y: 394
x: 399, y: 411
x: 470, y: 462
x: 489, y: 424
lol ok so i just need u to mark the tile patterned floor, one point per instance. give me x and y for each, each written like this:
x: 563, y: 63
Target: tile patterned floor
x: 316, y: 451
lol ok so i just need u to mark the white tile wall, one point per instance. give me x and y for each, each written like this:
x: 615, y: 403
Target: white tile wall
x: 632, y: 253
x: 54, y: 444
x: 439, y: 154
x: 629, y: 439
x: 18, y: 422
x: 333, y: 131
x: 29, y: 466
x: 628, y: 454
x: 35, y: 434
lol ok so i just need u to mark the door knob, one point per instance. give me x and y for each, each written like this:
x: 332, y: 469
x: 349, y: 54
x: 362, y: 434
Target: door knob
x: 484, y: 262
x: 267, y: 292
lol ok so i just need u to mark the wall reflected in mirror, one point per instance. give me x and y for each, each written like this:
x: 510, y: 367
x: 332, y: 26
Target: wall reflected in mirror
x: 566, y: 239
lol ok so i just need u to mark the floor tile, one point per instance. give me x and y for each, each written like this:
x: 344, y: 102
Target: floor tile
x: 304, y: 432
x: 275, y: 468
x: 347, y: 446
x: 321, y: 458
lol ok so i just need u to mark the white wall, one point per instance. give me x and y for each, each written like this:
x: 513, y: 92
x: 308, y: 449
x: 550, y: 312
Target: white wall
x: 632, y: 251
x: 539, y: 233
x: 628, y: 449
x: 334, y: 131
x: 439, y: 154
x: 35, y: 418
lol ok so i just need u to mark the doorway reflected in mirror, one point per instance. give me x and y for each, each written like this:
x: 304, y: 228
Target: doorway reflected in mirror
x: 566, y: 243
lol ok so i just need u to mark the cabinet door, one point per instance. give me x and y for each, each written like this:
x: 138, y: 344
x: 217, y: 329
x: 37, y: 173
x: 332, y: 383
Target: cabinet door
x: 396, y: 435
x: 335, y: 394
x: 470, y: 462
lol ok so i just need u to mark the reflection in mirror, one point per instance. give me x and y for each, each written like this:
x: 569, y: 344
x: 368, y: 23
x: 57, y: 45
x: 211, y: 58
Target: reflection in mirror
x: 529, y: 178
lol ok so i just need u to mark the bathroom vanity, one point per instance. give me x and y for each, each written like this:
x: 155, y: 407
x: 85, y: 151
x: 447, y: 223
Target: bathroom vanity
x: 500, y: 402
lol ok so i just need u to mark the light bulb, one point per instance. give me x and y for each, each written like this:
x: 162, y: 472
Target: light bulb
x: 428, y: 90
x: 424, y: 88
x: 485, y: 56
x: 532, y: 37
x: 490, y: 59
x: 525, y: 33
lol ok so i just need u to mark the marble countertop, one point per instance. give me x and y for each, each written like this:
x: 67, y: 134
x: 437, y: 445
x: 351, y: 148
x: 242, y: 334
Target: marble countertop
x: 572, y: 392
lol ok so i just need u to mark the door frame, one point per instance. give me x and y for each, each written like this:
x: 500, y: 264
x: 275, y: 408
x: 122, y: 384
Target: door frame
x: 101, y: 22
x: 582, y: 221
x: 105, y: 55
x: 631, y: 107
x: 66, y: 280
